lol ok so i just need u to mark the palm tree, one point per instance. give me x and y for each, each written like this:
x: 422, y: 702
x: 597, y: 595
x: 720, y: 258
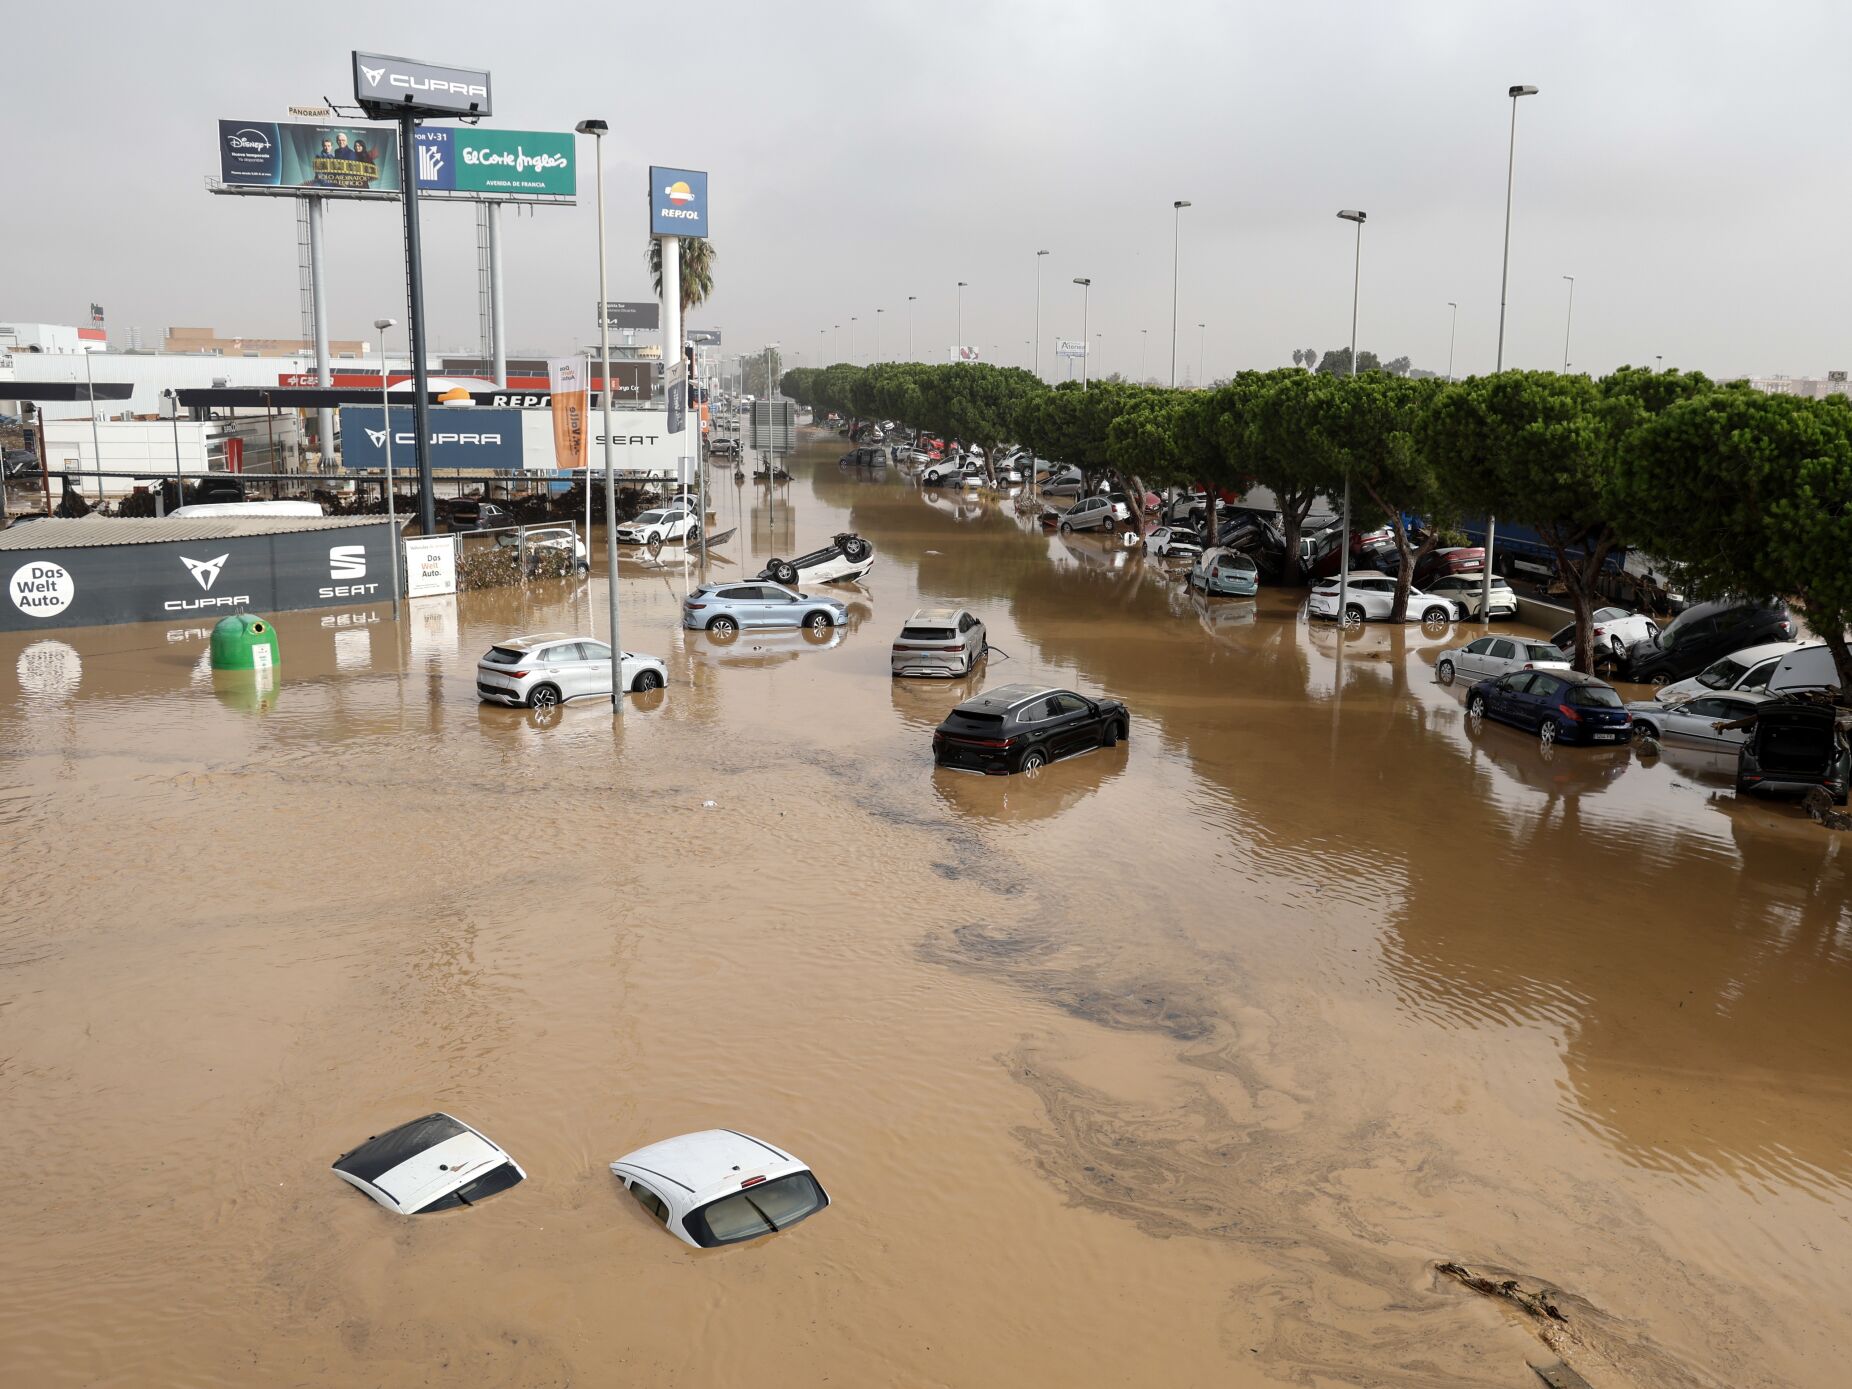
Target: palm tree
x: 697, y: 270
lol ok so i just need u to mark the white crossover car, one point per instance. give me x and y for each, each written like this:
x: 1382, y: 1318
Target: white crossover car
x: 720, y: 1187
x: 1372, y: 594
x: 658, y: 527
x: 846, y: 557
x: 547, y: 670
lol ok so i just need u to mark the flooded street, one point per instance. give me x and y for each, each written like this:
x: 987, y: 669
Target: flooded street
x: 1184, y: 1062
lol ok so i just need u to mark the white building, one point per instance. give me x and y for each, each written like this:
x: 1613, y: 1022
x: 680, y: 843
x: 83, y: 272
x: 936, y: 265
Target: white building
x: 56, y: 339
x: 1807, y: 387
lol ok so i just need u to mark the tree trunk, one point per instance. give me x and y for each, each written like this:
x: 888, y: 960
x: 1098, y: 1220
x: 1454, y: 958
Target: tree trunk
x: 1835, y: 638
x: 1136, y: 503
x: 1293, y: 511
x: 1579, y: 583
x: 1408, y: 558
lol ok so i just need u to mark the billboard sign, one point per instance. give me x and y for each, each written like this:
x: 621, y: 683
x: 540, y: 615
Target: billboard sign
x: 1070, y: 347
x: 385, y: 85
x: 474, y: 439
x: 964, y: 354
x: 633, y: 315
x: 321, y: 158
x: 512, y: 162
x: 677, y: 202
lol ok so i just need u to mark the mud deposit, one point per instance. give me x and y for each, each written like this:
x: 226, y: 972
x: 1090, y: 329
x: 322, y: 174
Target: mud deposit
x: 1190, y: 1062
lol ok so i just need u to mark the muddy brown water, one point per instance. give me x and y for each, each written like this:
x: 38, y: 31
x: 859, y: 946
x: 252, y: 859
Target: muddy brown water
x: 1183, y: 1063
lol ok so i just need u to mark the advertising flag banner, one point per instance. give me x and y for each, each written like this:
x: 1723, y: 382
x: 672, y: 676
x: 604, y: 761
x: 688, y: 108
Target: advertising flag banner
x: 566, y: 377
x: 329, y: 159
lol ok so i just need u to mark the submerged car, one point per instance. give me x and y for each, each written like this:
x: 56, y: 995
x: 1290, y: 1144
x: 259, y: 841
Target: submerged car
x: 1614, y: 628
x: 723, y: 609
x: 1795, y: 747
x: 848, y: 556
x: 658, y: 527
x: 551, y: 541
x: 1088, y: 514
x: 1225, y: 573
x: 1700, y: 634
x: 1559, y: 706
x: 436, y: 1163
x: 952, y: 472
x: 548, y: 669
x: 1020, y: 728
x: 1741, y: 671
x: 1174, y: 542
x: 944, y: 642
x: 1372, y: 597
x: 1465, y: 591
x: 720, y: 1187
x: 1698, y: 719
x: 1489, y: 656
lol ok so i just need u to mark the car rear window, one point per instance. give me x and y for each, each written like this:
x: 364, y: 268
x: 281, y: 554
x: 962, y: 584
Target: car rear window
x: 1594, y: 697
x: 1541, y: 651
x: 926, y: 633
x: 758, y: 1210
x: 980, y: 724
x: 499, y: 1178
x: 504, y: 656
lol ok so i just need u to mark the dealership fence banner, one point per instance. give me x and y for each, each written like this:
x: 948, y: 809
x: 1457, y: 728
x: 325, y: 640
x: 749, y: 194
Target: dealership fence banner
x: 430, y: 565
x: 322, y: 158
x: 462, y: 438
x: 566, y: 377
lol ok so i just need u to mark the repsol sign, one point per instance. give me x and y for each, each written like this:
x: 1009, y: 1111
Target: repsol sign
x: 158, y: 580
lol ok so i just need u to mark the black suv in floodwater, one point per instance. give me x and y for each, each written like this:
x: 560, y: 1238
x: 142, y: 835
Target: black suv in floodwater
x: 1792, y: 747
x: 1019, y: 728
x: 1699, y: 635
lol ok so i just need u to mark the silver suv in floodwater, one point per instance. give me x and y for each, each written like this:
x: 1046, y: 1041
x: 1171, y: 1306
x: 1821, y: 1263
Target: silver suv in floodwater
x: 723, y: 609
x: 946, y: 642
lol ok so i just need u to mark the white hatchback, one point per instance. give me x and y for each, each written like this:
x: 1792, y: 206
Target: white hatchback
x: 1489, y: 656
x: 720, y: 1187
x: 1372, y: 595
x: 547, y: 670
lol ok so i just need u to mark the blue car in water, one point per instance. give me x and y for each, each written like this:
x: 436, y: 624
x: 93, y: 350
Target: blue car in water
x: 1559, y: 706
x: 1224, y: 573
x: 723, y: 609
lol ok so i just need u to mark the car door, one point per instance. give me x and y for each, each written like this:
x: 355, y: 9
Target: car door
x: 566, y: 665
x: 597, y: 676
x: 1501, y: 656
x: 1075, y: 728
x: 777, y: 608
x: 1538, y: 694
x: 1693, y: 719
x: 1470, y: 661
x: 971, y: 635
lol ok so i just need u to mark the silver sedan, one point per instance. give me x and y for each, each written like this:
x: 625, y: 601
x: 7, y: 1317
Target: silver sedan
x: 1490, y: 656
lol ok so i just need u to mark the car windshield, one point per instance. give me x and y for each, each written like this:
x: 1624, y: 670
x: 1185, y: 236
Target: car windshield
x: 504, y: 656
x: 758, y: 1210
x: 1594, y: 697
x: 649, y: 518
x: 1721, y: 675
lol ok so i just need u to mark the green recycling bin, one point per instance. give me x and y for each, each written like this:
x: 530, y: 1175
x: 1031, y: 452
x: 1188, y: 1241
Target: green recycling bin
x: 244, y: 641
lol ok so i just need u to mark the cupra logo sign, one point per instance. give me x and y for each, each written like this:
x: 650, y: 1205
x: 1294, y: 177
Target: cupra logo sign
x: 373, y: 74
x: 679, y: 193
x: 206, y: 571
x: 378, y: 436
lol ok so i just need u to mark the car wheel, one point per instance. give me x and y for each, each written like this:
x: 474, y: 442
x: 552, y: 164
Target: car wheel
x: 1109, y: 735
x: 585, y: 567
x: 1437, y: 615
x: 1353, y: 615
x: 646, y: 681
x: 1444, y: 672
x: 1066, y: 529
x: 723, y: 628
x: 1476, y: 707
x: 1656, y: 679
x: 819, y: 622
x: 1032, y: 761
x: 1547, y: 734
x: 1643, y: 729
x: 544, y: 697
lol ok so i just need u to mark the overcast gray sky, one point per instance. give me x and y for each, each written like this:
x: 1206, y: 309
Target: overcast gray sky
x: 1684, y: 161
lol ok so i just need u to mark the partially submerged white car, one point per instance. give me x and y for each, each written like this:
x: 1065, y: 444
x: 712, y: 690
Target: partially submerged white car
x: 431, y: 1164
x: 720, y: 1187
x: 846, y: 557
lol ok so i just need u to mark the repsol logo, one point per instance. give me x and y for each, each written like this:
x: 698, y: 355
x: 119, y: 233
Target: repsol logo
x: 522, y: 402
x: 684, y: 213
x: 188, y: 605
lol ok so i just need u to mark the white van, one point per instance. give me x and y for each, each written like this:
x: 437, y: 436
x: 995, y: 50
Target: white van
x: 218, y: 509
x: 1807, y: 667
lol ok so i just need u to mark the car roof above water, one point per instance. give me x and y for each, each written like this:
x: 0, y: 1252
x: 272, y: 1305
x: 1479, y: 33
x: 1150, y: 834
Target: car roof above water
x: 528, y: 643
x: 1005, y: 698
x: 700, y: 1163
x: 946, y: 616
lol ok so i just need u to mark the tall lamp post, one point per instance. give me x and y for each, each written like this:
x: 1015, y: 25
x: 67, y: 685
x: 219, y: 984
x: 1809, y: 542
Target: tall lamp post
x: 1144, y: 341
x: 878, y: 313
x: 385, y: 410
x: 910, y: 299
x: 596, y: 129
x: 1504, y: 280
x: 852, y: 337
x: 1176, y: 261
x: 1086, y: 289
x: 1037, y: 363
x: 1568, y: 318
x: 1202, y: 368
x: 961, y: 314
x: 1350, y: 214
x: 1453, y: 324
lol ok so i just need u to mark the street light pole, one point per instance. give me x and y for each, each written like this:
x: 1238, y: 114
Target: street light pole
x: 910, y: 299
x: 878, y: 313
x: 836, y: 341
x: 961, y: 316
x: 1504, y: 280
x: 596, y: 129
x: 1037, y: 367
x: 1144, y: 341
x: 851, y: 337
x: 1176, y: 261
x: 1202, y: 369
x: 1568, y: 318
x: 385, y: 410
x: 1453, y: 324
x: 1086, y: 289
x: 1356, y: 286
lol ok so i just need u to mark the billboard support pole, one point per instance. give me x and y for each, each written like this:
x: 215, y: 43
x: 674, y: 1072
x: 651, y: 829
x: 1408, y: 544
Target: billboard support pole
x: 414, y: 295
x: 498, y: 330
x: 318, y: 296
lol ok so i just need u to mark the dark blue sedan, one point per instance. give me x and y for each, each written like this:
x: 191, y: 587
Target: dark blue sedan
x: 1559, y: 706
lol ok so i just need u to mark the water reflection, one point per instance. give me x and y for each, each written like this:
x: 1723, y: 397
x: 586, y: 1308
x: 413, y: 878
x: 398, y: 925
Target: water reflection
x: 1028, y: 796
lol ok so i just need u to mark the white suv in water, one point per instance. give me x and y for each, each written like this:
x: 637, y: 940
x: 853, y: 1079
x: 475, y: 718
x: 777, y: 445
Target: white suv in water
x: 939, y: 641
x: 657, y: 527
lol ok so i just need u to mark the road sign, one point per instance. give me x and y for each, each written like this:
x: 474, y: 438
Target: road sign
x: 774, y: 425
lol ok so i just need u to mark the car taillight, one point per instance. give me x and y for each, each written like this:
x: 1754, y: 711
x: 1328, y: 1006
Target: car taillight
x: 518, y: 674
x: 1569, y: 713
x: 751, y: 1181
x: 951, y: 650
x: 692, y: 604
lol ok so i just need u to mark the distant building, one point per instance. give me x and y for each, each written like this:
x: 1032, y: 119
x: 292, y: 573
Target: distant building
x: 1807, y: 387
x: 57, y: 338
x: 206, y: 342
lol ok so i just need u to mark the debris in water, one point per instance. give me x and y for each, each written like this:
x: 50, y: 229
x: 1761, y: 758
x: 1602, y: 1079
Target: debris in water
x: 1820, y: 805
x: 709, y: 805
x: 1559, y: 1376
